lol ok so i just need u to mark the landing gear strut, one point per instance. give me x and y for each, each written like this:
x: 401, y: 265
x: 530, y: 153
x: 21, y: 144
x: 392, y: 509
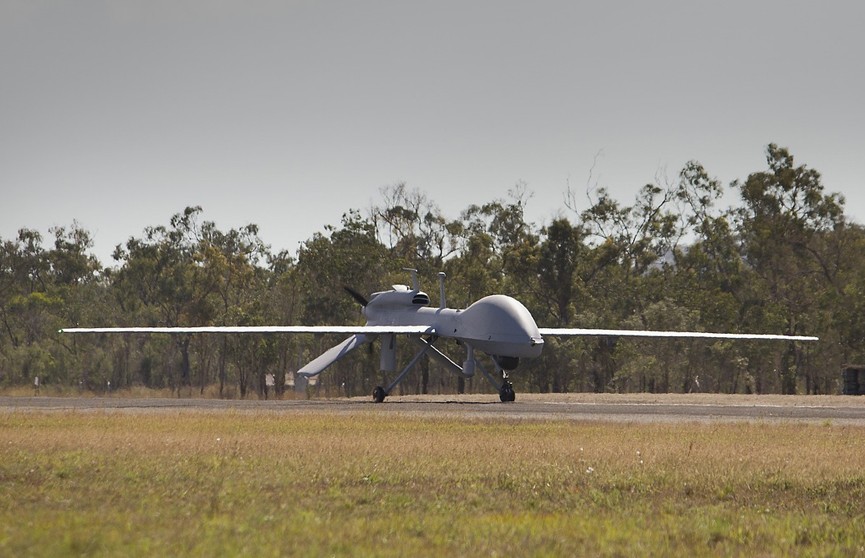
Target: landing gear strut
x: 379, y: 393
x: 505, y: 388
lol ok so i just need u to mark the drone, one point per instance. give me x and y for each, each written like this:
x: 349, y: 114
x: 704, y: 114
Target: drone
x: 496, y: 325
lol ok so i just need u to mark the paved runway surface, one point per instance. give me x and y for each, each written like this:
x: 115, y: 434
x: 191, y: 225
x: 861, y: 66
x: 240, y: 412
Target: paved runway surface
x: 634, y: 408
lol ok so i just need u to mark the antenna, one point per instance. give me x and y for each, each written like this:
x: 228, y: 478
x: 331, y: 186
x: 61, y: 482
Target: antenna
x: 414, y: 283
x: 442, y: 300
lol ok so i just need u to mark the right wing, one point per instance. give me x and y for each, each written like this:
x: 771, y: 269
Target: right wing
x: 553, y: 331
x: 359, y: 336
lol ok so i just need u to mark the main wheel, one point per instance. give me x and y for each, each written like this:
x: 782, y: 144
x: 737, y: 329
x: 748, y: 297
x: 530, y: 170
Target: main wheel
x: 378, y: 394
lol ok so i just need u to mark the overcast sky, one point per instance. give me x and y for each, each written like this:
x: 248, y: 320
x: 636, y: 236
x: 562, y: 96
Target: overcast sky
x: 287, y: 114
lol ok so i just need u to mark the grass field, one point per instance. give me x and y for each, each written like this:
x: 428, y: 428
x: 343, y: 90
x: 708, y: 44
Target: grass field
x: 268, y: 483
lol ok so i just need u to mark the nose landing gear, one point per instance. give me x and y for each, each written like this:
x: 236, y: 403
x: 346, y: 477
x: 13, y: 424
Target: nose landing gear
x: 506, y: 388
x: 506, y: 392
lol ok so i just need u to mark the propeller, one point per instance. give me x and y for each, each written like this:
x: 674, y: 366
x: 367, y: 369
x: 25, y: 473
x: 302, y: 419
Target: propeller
x: 357, y: 296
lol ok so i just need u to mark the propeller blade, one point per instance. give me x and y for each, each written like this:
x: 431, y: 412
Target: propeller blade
x: 357, y: 296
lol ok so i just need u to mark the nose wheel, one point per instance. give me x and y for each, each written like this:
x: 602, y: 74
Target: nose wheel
x: 378, y: 394
x: 506, y: 388
x: 506, y: 393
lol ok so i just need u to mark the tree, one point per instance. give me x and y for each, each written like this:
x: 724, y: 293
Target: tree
x: 193, y: 273
x: 414, y: 229
x: 785, y: 214
x: 234, y: 257
x: 41, y: 290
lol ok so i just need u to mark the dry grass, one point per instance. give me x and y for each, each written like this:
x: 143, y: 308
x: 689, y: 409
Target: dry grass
x: 372, y: 483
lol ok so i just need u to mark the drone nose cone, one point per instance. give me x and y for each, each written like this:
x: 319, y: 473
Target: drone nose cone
x: 499, y: 324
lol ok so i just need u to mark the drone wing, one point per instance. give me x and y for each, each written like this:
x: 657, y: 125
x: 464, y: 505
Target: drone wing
x: 371, y: 330
x: 551, y: 331
x: 359, y: 336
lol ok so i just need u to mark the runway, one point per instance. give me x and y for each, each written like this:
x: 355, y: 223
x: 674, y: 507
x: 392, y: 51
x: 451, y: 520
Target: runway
x: 639, y: 408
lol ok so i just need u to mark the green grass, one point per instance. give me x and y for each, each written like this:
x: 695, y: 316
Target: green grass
x: 274, y: 483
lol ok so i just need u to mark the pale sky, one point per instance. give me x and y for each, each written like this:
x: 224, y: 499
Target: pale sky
x: 288, y: 114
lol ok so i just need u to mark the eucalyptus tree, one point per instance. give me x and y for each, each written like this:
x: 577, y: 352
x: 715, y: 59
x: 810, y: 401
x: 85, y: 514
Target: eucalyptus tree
x: 710, y: 278
x: 475, y: 270
x: 784, y: 217
x: 78, y: 280
x: 414, y: 229
x: 559, y: 264
x: 639, y: 234
x: 42, y: 289
x: 845, y: 331
x: 493, y: 242
x: 24, y: 275
x: 623, y: 245
x: 236, y: 258
x: 163, y: 280
x: 283, y: 300
x: 70, y: 261
x: 28, y: 307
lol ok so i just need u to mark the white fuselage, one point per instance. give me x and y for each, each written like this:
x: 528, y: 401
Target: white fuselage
x: 497, y: 325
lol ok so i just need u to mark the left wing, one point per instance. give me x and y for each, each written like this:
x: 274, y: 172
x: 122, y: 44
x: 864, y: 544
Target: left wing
x: 373, y: 330
x: 552, y: 331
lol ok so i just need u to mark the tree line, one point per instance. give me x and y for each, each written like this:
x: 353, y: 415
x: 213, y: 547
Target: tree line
x: 784, y: 259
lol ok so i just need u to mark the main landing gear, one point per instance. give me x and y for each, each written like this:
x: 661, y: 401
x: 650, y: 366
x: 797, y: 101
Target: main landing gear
x: 505, y: 388
x: 379, y: 393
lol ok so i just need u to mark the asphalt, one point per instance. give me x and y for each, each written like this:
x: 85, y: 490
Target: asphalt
x: 825, y: 409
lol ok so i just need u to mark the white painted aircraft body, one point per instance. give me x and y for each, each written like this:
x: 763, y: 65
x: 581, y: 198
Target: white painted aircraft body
x: 497, y: 325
